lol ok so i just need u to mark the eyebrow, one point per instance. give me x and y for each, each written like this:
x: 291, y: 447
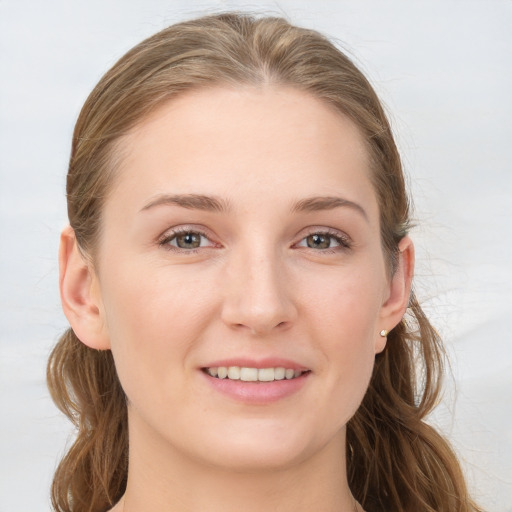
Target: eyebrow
x: 190, y: 201
x: 215, y: 204
x: 312, y: 204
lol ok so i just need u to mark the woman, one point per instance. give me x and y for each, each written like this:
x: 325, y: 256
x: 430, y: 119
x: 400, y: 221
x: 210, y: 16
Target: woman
x: 237, y: 277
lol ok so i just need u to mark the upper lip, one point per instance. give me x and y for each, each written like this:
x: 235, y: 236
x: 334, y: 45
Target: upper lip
x: 268, y: 362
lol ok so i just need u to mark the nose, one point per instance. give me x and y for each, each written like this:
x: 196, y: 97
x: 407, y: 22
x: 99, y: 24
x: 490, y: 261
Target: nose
x: 258, y: 296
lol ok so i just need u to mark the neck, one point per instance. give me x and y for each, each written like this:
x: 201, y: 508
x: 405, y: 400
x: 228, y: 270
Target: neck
x: 163, y: 479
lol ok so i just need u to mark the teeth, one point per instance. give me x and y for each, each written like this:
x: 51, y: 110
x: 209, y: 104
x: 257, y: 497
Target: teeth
x: 234, y: 372
x: 213, y: 371
x: 266, y: 374
x: 279, y: 373
x: 249, y: 374
x: 253, y: 374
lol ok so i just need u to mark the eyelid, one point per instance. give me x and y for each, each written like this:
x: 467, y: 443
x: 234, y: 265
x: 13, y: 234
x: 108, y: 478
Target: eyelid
x: 171, y: 233
x: 345, y: 242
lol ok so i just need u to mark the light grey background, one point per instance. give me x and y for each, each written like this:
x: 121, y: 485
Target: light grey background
x: 442, y: 67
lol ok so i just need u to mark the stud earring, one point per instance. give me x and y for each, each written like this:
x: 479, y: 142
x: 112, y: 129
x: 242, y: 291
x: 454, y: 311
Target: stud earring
x: 384, y: 333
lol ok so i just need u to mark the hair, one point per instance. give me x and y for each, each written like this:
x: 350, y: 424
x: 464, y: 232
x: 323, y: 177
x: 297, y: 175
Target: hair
x: 395, y: 460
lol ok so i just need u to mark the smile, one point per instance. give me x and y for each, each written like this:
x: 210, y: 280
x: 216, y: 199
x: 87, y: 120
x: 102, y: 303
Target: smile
x: 247, y: 374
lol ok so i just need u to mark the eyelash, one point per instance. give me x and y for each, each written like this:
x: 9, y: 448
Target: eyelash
x: 343, y: 240
x: 344, y: 243
x: 165, y: 240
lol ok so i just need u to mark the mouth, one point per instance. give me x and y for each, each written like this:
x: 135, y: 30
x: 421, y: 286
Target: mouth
x: 257, y: 383
x: 248, y: 374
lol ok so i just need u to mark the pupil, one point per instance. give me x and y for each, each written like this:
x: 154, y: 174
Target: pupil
x: 188, y: 241
x: 318, y: 241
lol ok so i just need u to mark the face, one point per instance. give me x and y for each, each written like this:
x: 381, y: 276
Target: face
x: 242, y: 236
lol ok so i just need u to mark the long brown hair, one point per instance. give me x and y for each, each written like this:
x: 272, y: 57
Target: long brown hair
x: 395, y: 460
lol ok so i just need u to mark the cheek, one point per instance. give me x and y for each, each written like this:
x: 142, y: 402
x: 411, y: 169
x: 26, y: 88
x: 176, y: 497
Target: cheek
x: 345, y: 326
x: 347, y: 305
x: 141, y: 296
x: 154, y: 317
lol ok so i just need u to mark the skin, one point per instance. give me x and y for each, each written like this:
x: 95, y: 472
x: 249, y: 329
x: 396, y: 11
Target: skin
x: 254, y: 288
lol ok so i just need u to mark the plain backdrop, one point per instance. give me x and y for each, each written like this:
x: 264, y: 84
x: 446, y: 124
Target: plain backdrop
x: 444, y: 71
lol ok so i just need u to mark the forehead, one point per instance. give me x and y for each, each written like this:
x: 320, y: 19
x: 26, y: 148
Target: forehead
x: 224, y: 141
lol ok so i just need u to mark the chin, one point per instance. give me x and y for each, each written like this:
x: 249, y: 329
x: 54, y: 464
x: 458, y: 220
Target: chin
x: 254, y: 459
x: 262, y: 449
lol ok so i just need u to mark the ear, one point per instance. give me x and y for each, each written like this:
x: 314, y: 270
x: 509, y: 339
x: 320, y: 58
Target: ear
x: 80, y: 294
x: 398, y: 292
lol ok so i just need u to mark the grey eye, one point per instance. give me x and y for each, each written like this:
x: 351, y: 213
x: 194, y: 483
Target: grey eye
x: 188, y: 240
x: 320, y: 241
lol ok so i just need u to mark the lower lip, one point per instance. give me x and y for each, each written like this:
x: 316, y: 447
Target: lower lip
x: 257, y: 392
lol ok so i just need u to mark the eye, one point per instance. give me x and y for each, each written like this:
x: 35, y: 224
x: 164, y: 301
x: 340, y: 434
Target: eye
x: 324, y: 240
x: 186, y: 240
x: 320, y: 241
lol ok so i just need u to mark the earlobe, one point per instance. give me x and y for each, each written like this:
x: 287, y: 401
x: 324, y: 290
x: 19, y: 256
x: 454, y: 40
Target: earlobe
x: 80, y: 295
x: 397, y: 300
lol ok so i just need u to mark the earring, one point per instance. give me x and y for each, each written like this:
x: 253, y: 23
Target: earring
x: 384, y: 333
